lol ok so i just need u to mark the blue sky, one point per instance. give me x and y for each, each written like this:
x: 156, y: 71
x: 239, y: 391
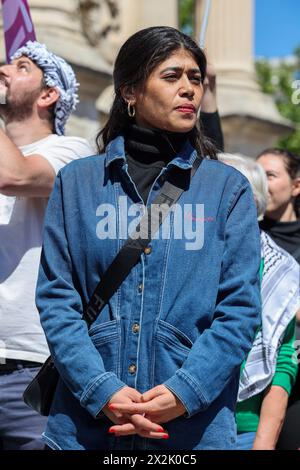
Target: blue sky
x: 277, y: 25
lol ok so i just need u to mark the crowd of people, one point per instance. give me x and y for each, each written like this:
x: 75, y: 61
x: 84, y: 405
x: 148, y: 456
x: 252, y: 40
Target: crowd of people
x: 195, y: 346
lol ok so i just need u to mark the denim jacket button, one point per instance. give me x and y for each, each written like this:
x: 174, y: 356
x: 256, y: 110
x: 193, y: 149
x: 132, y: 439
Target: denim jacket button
x: 132, y: 369
x: 136, y: 328
x: 140, y: 288
x: 148, y: 250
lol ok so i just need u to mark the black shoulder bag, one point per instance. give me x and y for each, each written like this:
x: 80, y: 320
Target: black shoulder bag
x: 40, y: 392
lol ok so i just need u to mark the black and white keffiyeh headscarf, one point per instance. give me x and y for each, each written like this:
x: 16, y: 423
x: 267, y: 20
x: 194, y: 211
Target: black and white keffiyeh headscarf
x: 57, y: 73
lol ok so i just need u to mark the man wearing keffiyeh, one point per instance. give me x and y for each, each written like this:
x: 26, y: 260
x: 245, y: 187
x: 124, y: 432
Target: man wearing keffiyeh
x: 38, y: 92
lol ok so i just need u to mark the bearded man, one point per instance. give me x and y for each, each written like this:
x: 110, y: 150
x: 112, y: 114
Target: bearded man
x: 38, y: 92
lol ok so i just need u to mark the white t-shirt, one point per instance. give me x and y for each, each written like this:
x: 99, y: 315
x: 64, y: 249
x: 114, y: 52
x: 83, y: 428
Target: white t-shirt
x: 21, y: 225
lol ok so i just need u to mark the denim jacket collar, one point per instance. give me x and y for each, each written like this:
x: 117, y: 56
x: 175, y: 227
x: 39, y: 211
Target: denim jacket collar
x: 184, y: 160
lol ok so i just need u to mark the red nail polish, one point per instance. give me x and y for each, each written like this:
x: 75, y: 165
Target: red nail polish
x: 166, y: 436
x: 111, y: 431
x: 161, y: 430
x: 111, y: 407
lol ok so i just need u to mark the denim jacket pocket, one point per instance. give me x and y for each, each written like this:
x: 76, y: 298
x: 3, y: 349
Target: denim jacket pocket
x: 171, y: 350
x: 105, y: 338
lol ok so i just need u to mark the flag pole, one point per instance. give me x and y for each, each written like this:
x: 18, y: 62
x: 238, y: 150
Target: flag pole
x: 204, y: 24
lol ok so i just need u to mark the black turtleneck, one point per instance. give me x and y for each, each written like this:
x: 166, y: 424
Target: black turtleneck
x: 285, y: 234
x: 148, y: 152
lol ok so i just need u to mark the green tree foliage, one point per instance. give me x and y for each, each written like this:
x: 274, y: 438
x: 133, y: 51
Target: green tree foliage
x: 187, y: 16
x: 280, y: 82
x: 274, y: 80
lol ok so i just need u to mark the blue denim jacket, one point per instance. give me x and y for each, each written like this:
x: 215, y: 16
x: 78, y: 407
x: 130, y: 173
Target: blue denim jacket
x: 184, y: 318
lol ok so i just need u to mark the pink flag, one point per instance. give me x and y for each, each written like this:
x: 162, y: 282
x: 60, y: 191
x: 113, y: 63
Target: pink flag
x: 17, y: 25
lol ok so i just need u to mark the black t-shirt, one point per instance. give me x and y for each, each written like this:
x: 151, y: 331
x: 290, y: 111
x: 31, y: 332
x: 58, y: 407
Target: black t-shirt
x: 285, y: 234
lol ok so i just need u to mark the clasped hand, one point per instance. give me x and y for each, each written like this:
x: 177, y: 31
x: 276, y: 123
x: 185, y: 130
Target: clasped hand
x: 136, y: 413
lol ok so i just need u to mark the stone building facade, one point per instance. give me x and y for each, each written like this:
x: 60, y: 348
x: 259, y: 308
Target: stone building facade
x: 88, y: 33
x: 250, y: 119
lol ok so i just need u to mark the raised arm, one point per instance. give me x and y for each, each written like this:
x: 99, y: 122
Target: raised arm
x: 209, y: 115
x: 31, y: 176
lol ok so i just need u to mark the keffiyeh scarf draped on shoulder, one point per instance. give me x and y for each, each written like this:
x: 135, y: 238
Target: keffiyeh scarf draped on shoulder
x: 280, y: 294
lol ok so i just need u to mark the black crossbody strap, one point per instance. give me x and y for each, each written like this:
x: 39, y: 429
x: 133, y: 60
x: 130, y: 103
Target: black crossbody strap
x: 130, y: 253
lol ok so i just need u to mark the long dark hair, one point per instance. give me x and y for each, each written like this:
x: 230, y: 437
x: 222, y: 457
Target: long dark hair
x: 137, y: 58
x: 292, y: 166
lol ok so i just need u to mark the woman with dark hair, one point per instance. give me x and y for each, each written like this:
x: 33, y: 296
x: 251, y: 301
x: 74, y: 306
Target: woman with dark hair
x: 282, y: 220
x: 269, y: 372
x: 127, y: 76
x: 282, y: 223
x: 159, y: 366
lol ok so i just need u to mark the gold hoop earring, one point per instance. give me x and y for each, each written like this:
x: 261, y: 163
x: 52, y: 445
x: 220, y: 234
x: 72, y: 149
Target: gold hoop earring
x: 131, y: 109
